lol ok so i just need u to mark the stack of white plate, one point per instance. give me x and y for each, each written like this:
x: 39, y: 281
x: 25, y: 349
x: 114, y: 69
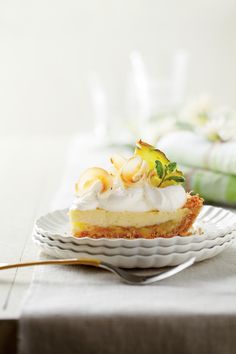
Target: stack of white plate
x: 213, y: 231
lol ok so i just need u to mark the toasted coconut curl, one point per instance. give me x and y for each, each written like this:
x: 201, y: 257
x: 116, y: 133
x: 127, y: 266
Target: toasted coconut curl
x: 133, y: 170
x: 92, y: 175
x: 165, y: 230
x: 118, y: 161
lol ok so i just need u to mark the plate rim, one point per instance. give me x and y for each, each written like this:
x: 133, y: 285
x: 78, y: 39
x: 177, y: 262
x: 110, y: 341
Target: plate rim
x: 152, y: 261
x: 225, y: 238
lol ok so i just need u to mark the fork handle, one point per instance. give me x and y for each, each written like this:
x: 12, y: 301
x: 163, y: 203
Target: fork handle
x: 82, y: 261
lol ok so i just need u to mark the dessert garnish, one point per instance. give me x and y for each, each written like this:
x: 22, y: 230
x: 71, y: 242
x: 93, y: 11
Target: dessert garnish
x: 162, y: 172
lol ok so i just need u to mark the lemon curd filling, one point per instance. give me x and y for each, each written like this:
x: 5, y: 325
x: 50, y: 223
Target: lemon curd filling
x: 104, y: 218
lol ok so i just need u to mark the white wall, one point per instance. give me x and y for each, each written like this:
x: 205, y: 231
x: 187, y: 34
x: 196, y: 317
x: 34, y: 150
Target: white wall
x: 47, y: 48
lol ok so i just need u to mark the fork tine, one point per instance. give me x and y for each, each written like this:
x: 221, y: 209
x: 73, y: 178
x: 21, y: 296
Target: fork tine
x: 170, y: 272
x: 142, y: 279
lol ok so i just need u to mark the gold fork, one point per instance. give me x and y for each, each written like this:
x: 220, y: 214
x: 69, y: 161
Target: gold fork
x: 125, y: 275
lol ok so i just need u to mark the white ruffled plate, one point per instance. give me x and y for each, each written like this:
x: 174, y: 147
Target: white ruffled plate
x: 212, y: 222
x: 128, y: 251
x: 139, y: 261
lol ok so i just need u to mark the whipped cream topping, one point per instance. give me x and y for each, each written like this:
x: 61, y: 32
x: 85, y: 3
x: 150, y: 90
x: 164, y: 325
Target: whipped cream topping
x: 139, y: 198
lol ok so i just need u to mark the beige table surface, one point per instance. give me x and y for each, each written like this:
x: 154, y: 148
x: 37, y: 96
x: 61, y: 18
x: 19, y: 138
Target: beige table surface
x: 31, y: 171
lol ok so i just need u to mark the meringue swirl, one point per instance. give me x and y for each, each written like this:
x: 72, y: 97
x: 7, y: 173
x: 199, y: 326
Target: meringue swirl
x: 139, y: 198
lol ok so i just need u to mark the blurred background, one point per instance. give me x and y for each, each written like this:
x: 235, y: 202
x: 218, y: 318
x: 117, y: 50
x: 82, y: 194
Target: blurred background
x: 65, y: 65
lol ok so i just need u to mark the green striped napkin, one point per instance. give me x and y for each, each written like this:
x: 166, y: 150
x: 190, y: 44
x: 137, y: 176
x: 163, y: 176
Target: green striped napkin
x: 194, y: 150
x: 212, y: 186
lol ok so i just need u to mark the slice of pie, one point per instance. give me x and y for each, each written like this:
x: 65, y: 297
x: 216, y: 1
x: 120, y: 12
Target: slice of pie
x: 142, y: 198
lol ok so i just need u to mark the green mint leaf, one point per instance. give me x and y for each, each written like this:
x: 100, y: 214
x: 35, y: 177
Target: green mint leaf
x: 178, y: 179
x: 159, y: 168
x: 172, y: 167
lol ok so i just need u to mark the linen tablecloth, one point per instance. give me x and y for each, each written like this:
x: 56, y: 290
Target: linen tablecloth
x: 86, y: 310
